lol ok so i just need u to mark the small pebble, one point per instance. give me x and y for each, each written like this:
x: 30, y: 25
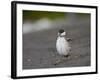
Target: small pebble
x: 76, y: 56
x: 29, y: 60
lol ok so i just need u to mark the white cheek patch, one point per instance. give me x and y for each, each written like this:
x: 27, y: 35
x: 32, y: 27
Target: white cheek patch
x: 63, y: 34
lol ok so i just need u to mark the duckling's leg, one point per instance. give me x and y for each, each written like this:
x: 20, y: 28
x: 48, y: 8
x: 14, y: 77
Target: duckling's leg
x: 58, y: 61
x: 66, y: 57
x: 62, y: 59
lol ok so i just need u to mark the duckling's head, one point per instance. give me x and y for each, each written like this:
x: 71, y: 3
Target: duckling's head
x: 61, y: 33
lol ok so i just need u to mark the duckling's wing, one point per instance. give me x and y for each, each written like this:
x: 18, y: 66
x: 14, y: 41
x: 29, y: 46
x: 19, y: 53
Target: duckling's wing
x: 68, y: 39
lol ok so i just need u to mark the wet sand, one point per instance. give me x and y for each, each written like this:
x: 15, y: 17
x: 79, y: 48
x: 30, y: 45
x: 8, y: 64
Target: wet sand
x: 39, y: 48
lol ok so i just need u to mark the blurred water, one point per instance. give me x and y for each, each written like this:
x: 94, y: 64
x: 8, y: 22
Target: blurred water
x: 42, y: 24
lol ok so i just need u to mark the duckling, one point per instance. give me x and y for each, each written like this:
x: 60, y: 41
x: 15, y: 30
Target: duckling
x: 62, y: 44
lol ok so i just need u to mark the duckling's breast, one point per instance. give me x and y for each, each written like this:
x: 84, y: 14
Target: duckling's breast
x: 63, y: 46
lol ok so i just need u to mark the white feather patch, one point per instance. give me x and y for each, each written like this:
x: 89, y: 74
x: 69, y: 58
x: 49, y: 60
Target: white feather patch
x: 63, y: 47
